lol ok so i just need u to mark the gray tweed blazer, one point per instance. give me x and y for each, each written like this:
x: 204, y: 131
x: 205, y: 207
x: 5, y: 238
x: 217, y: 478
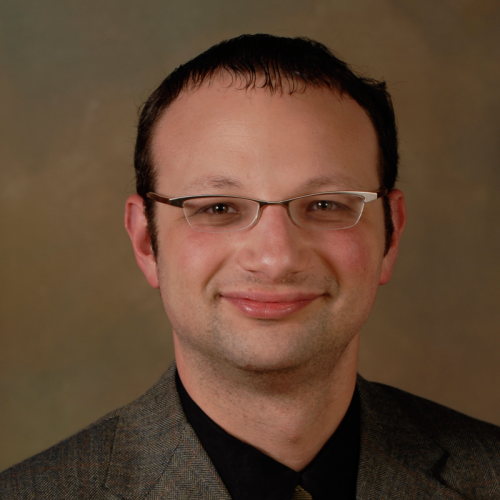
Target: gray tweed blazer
x: 411, y: 448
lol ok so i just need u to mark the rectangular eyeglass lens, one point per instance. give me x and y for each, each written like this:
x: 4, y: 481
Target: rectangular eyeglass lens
x: 328, y: 210
x: 218, y: 214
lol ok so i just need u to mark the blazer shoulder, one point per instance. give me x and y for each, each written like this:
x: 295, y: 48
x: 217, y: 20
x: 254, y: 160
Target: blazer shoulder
x: 473, y: 441
x: 74, y: 468
x: 78, y: 467
x: 436, y: 417
x: 417, y: 445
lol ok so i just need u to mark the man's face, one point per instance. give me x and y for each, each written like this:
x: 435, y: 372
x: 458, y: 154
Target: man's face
x: 274, y: 296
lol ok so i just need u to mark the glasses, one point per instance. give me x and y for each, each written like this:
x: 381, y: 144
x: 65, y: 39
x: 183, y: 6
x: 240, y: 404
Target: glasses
x: 222, y: 213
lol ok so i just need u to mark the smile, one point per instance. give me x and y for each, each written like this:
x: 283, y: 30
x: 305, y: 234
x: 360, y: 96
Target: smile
x: 269, y: 305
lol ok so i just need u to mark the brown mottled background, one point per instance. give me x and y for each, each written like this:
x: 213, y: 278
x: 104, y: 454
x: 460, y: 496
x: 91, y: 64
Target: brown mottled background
x: 81, y: 332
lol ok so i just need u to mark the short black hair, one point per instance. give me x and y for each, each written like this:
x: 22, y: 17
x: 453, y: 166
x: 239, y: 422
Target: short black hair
x: 278, y: 64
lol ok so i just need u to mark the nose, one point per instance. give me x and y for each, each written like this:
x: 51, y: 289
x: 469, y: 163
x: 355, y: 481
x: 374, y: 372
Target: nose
x: 274, y: 248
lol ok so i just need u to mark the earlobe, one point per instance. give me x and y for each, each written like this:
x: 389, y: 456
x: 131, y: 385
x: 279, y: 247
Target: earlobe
x: 398, y: 209
x: 136, y: 226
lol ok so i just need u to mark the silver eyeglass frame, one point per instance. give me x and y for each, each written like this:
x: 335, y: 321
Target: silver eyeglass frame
x: 368, y: 196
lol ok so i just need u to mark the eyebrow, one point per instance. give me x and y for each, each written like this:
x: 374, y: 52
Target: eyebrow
x: 323, y: 181
x: 218, y: 182
x: 222, y: 182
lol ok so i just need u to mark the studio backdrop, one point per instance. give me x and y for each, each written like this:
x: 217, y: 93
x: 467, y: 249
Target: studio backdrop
x: 81, y: 331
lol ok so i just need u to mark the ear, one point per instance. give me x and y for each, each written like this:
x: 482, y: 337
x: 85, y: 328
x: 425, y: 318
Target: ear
x: 136, y: 226
x: 398, y: 209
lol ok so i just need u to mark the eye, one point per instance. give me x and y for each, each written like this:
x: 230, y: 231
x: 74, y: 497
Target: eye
x: 219, y: 209
x: 324, y: 205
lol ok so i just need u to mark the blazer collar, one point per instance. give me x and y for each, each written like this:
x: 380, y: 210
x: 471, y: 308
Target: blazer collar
x: 397, y: 459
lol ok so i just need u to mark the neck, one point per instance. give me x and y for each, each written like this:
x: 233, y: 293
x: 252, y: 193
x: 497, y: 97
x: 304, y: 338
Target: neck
x: 287, y: 415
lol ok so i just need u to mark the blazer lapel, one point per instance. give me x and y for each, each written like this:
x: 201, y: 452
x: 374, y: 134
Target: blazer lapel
x: 397, y: 460
x: 156, y: 452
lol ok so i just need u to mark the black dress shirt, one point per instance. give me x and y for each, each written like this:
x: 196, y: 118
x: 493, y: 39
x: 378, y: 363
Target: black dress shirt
x: 249, y: 474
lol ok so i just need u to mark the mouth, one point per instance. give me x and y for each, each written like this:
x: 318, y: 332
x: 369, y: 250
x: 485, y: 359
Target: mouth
x: 265, y: 305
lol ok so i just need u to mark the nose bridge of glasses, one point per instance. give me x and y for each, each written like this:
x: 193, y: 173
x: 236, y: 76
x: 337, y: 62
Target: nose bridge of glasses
x: 264, y: 204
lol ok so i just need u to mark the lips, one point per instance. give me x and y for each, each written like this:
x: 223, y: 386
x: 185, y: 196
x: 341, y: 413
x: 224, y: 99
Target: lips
x: 267, y: 305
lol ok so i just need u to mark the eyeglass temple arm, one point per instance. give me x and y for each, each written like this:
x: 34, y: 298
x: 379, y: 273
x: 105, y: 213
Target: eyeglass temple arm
x: 382, y: 192
x: 168, y: 201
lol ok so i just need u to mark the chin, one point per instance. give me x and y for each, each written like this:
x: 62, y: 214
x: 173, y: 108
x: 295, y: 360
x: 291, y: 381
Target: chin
x: 271, y: 361
x: 269, y: 367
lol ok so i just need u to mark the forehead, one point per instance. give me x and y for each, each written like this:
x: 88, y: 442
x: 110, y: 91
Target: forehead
x: 224, y: 138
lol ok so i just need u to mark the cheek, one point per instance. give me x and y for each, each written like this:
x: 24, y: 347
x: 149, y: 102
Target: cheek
x: 355, y: 256
x: 190, y: 258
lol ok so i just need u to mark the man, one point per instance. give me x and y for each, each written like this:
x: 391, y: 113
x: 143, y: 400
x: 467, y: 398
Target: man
x: 267, y: 216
